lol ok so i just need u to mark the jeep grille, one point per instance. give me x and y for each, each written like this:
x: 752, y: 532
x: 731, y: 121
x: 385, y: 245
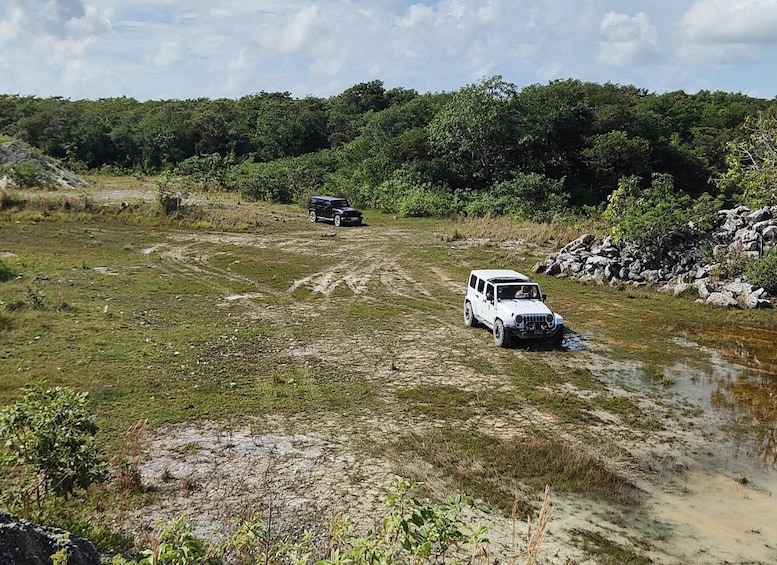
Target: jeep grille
x: 536, y: 318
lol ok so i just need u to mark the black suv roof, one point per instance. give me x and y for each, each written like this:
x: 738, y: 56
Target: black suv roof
x: 327, y: 198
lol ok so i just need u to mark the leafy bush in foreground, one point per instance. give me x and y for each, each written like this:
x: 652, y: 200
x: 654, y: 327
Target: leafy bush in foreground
x: 50, y: 434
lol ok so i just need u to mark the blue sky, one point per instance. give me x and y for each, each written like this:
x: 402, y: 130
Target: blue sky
x: 163, y: 49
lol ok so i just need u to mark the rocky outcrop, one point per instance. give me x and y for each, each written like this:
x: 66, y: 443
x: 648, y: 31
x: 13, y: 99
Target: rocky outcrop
x: 696, y: 267
x: 12, y: 152
x: 22, y: 543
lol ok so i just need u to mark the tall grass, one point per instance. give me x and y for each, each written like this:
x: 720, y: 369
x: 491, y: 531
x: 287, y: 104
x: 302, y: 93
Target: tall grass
x: 554, y: 234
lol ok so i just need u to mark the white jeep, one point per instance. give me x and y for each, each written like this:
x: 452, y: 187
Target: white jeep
x: 511, y: 305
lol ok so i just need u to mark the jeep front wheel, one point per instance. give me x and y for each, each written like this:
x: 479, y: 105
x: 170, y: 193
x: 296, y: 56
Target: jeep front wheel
x: 312, y: 216
x: 501, y: 337
x: 338, y: 220
x: 558, y: 337
x: 469, y: 316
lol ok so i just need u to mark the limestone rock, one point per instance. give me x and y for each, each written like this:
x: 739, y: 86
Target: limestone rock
x: 742, y: 233
x: 23, y: 543
x: 721, y: 300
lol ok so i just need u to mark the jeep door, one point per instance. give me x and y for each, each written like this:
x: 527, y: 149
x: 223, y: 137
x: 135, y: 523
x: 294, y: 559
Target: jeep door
x: 486, y: 306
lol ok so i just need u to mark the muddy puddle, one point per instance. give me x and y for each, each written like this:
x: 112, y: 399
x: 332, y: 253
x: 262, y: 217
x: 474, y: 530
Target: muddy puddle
x: 712, y: 468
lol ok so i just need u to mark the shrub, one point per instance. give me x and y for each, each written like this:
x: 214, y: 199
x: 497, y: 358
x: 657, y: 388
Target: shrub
x: 409, y: 193
x: 207, y: 172
x: 424, y: 202
x: 655, y: 218
x: 6, y: 322
x: 6, y: 273
x: 171, y: 192
x: 284, y: 180
x: 530, y: 196
x: 763, y: 272
x: 411, y: 532
x: 27, y: 174
x: 50, y: 433
x: 178, y: 545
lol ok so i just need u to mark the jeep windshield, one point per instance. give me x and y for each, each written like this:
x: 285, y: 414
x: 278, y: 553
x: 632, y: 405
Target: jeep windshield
x: 517, y: 291
x: 340, y: 203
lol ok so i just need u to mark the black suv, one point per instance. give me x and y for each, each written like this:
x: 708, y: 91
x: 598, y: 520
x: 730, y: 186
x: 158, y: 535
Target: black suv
x: 334, y: 209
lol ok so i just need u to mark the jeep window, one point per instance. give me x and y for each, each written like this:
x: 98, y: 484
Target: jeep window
x: 473, y: 281
x: 481, y: 284
x: 340, y: 203
x: 507, y: 291
x: 490, y: 292
x: 528, y: 291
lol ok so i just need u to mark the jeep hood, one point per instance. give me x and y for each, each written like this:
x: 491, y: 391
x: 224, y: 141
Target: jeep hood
x: 523, y: 306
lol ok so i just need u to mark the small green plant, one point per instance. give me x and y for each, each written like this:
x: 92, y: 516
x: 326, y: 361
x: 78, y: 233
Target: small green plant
x: 413, y: 532
x: 171, y: 193
x: 50, y: 434
x: 763, y: 272
x: 6, y: 273
x: 35, y: 296
x: 129, y: 458
x: 729, y: 267
x: 27, y: 174
x: 59, y: 557
x: 6, y: 322
x: 178, y: 545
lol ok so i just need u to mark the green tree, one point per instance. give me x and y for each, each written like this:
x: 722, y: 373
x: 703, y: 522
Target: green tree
x: 752, y: 162
x: 51, y: 434
x: 609, y: 156
x: 288, y: 128
x: 474, y: 131
x: 348, y: 111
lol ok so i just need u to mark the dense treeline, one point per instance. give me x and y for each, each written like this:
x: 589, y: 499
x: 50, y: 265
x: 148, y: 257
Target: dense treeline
x: 486, y: 148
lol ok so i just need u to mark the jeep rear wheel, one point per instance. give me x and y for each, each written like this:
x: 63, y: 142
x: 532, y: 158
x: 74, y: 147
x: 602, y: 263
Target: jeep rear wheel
x: 312, y: 216
x: 338, y: 220
x: 469, y: 316
x: 501, y: 337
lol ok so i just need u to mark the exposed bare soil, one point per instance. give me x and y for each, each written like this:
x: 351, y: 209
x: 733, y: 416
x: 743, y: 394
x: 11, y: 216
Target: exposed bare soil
x: 706, y: 502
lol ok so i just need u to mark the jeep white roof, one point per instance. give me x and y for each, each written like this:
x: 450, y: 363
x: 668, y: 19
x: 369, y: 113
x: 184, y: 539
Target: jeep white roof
x: 500, y: 275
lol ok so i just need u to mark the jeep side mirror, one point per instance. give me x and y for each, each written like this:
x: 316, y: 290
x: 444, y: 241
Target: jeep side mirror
x: 544, y: 297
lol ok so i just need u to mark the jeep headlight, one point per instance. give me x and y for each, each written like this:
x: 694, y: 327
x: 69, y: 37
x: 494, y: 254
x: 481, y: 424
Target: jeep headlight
x: 549, y: 318
x: 518, y: 319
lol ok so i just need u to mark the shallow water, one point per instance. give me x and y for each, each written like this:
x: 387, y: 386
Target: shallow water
x: 716, y: 489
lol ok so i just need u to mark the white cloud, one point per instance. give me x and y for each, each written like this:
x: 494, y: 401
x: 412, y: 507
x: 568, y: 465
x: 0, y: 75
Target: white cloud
x: 627, y: 40
x: 58, y: 19
x: 169, y: 53
x: 730, y: 21
x: 298, y: 32
x: 193, y: 48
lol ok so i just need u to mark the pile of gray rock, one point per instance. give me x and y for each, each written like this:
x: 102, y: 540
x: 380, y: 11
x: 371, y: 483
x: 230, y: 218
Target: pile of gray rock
x: 13, y: 152
x: 23, y: 543
x: 698, y: 267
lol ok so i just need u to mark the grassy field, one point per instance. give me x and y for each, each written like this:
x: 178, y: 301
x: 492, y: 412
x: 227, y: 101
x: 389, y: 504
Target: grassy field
x: 235, y: 312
